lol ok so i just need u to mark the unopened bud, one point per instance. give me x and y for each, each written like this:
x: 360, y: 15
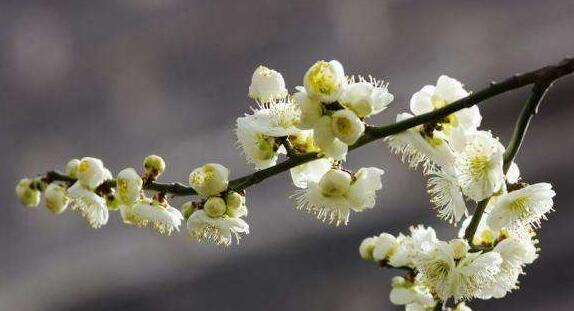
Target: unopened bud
x: 91, y: 172
x: 187, y: 209
x: 235, y: 204
x: 129, y: 185
x: 56, y: 198
x: 215, y: 207
x: 154, y: 165
x: 459, y: 248
x: 366, y: 248
x: 347, y: 126
x: 335, y: 183
x: 325, y: 80
x: 72, y: 168
x: 267, y: 84
x: 26, y: 195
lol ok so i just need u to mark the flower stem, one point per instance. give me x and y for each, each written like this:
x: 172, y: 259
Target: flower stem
x: 544, y: 75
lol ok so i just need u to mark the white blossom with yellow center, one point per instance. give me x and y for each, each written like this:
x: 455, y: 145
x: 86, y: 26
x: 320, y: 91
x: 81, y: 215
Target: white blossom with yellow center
x: 56, y: 198
x: 366, y: 98
x: 129, y: 186
x: 210, y: 179
x: 325, y: 81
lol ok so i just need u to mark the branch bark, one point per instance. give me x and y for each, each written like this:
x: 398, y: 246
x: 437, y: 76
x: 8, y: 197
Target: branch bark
x: 542, y: 76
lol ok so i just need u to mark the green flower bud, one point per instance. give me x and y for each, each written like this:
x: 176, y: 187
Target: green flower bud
x: 26, y: 195
x: 187, y: 209
x: 215, y: 207
x: 72, y: 168
x: 235, y: 203
x: 56, y: 198
x: 154, y: 165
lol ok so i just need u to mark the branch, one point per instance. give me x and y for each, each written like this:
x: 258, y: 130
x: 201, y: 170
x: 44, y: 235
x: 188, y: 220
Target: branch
x: 540, y: 76
x: 528, y: 111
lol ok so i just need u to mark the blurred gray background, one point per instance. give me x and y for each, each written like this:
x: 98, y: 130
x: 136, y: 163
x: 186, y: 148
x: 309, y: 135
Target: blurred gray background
x: 122, y: 79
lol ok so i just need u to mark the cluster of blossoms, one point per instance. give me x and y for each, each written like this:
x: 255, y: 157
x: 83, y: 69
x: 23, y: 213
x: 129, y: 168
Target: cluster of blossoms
x: 93, y: 193
x: 463, y: 164
x: 326, y: 116
x: 315, y: 127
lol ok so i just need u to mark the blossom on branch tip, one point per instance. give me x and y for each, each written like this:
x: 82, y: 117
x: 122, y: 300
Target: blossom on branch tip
x: 210, y: 179
x: 56, y: 198
x: 27, y: 195
x: 267, y: 84
x: 325, y: 81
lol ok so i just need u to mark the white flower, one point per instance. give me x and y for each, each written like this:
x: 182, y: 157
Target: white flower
x: 421, y: 146
x: 92, y: 173
x: 325, y: 139
x: 447, y: 276
x: 275, y: 119
x: 405, y: 292
x: 337, y: 193
x: 310, y: 172
x: 325, y: 80
x: 89, y: 205
x: 26, y: 195
x: 210, y: 179
x: 446, y: 195
x: 258, y: 148
x: 220, y: 230
x: 235, y: 204
x: 129, y: 186
x: 484, y: 235
x: 446, y: 91
x: 311, y: 109
x: 526, y: 206
x: 479, y: 166
x: 56, y: 198
x: 515, y: 253
x: 72, y: 168
x: 267, y: 84
x: 346, y: 126
x: 366, y: 98
x: 146, y: 212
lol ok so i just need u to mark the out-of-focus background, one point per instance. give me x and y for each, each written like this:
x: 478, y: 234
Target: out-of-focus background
x: 122, y: 79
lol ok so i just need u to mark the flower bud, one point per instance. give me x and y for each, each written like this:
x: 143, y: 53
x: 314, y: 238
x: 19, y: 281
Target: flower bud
x: 459, y: 248
x: 129, y: 185
x: 26, y: 195
x: 267, y: 84
x: 325, y: 80
x: 56, y: 198
x: 335, y: 183
x: 154, y: 165
x: 215, y: 207
x: 235, y: 204
x: 383, y: 246
x: 187, y: 209
x: 311, y: 110
x: 366, y: 248
x: 72, y: 168
x: 347, y: 126
x: 91, y: 172
x: 210, y: 179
